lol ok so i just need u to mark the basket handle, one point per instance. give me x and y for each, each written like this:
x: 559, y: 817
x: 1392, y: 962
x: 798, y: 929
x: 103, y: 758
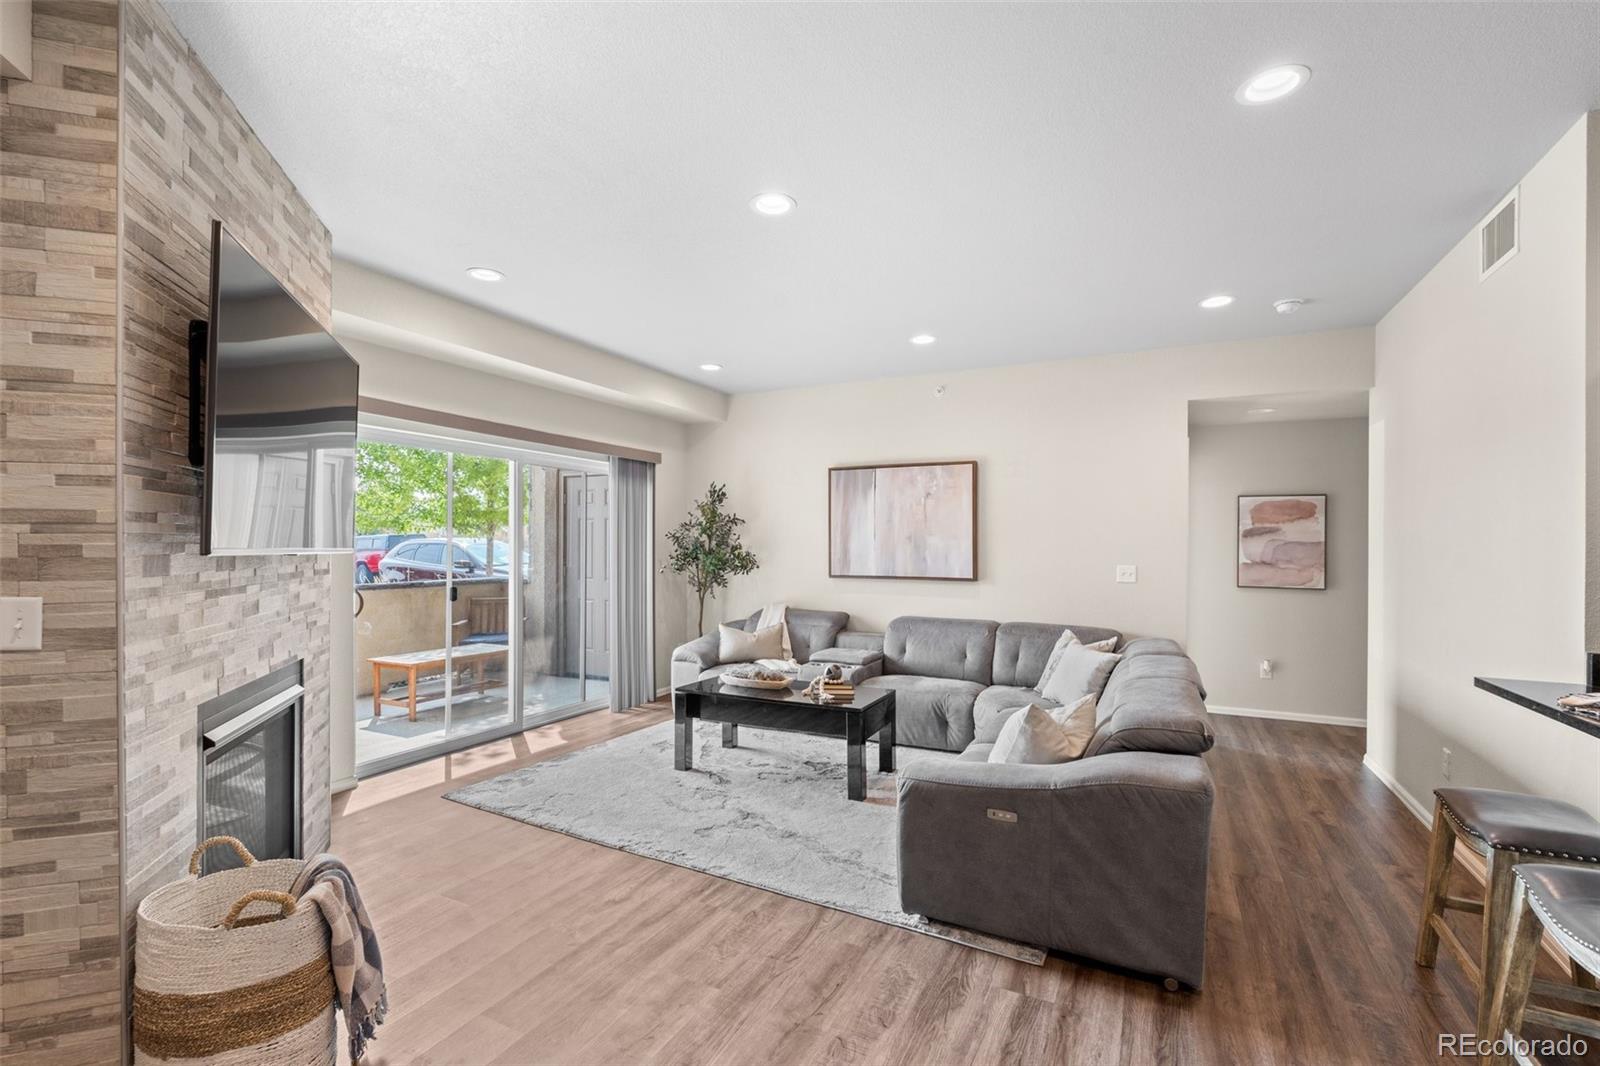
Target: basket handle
x: 282, y: 899
x: 233, y: 842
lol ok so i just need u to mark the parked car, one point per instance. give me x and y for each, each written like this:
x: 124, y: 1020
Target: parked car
x: 370, y: 550
x: 423, y: 560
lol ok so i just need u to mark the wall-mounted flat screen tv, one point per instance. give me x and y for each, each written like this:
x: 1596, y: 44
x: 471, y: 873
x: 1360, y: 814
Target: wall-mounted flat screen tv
x: 280, y: 418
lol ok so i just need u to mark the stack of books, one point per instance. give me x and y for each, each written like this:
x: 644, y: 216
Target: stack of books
x: 838, y: 692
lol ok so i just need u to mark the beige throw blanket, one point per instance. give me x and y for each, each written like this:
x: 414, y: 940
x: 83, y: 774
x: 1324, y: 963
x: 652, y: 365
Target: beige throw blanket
x: 353, y: 947
x: 777, y: 614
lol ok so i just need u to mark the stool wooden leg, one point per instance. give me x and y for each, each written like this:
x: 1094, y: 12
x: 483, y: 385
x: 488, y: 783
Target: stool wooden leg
x: 1441, y: 856
x: 1498, y: 913
x: 1580, y: 977
x: 1513, y: 979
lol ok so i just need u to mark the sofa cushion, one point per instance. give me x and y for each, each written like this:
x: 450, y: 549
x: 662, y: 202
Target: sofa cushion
x: 930, y: 712
x: 1151, y: 646
x: 1022, y: 648
x: 1153, y: 707
x: 847, y: 656
x: 977, y: 751
x: 991, y: 709
x: 1174, y: 667
x: 809, y: 631
x: 961, y: 649
x: 862, y: 639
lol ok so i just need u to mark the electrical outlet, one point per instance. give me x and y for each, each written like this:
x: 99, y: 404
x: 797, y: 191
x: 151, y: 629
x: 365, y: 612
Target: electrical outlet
x: 1127, y: 575
x: 1444, y: 763
x: 1266, y: 669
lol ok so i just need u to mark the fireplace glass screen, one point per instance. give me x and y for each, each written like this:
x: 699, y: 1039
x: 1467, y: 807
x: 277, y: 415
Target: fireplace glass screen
x: 250, y: 746
x: 250, y: 794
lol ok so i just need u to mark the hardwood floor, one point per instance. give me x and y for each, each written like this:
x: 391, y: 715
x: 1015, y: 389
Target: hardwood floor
x: 505, y: 943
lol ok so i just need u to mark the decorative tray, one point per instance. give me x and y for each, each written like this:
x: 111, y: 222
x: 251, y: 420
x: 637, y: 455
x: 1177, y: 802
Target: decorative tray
x: 755, y: 682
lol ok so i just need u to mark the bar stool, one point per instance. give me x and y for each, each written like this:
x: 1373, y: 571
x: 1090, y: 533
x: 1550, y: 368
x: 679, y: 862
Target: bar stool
x: 1561, y: 900
x: 1505, y: 828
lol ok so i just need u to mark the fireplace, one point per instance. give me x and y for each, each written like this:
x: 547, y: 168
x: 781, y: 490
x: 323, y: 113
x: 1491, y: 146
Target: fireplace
x: 250, y: 767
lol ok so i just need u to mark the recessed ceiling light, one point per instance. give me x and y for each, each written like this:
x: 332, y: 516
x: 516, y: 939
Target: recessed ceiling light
x: 1273, y: 84
x: 484, y: 273
x: 711, y: 368
x: 1211, y: 303
x: 923, y: 338
x: 772, y: 203
x: 1261, y: 410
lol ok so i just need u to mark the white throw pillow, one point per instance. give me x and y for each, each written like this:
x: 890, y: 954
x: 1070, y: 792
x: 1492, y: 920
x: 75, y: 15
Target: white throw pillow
x: 1080, y: 671
x: 989, y: 731
x: 1038, y: 737
x: 737, y: 646
x: 1068, y: 637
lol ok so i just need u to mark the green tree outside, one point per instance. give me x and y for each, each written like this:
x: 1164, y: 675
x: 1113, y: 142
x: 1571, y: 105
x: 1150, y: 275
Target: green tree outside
x: 403, y: 490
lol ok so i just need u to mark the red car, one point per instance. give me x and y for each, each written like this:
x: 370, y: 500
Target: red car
x: 370, y: 551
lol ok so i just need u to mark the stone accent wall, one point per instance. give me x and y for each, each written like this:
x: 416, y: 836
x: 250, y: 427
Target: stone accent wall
x: 60, y: 945
x: 196, y: 626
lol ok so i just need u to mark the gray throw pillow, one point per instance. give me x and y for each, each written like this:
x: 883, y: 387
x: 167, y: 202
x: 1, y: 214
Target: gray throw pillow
x: 1080, y: 671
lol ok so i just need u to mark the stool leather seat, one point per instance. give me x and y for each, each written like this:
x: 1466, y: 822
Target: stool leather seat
x: 1569, y: 896
x: 1514, y: 821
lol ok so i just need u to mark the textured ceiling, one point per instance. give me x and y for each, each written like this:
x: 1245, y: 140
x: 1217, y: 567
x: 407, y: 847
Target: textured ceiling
x: 1026, y: 182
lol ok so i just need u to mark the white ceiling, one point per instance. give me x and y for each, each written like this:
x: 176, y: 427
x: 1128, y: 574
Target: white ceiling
x: 1026, y: 182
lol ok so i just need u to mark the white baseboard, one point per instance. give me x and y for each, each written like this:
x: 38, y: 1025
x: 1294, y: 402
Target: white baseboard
x: 1422, y: 810
x: 1466, y: 858
x: 663, y: 691
x: 1287, y: 716
x: 344, y: 784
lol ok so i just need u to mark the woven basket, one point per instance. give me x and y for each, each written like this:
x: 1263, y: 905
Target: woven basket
x: 229, y: 970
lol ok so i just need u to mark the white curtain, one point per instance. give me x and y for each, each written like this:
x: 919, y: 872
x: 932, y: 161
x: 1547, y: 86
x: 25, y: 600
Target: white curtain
x: 633, y: 490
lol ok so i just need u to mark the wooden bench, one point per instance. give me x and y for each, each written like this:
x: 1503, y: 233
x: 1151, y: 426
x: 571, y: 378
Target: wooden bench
x: 476, y: 657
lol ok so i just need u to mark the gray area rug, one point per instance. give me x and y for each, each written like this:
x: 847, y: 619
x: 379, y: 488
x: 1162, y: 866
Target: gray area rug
x: 771, y: 813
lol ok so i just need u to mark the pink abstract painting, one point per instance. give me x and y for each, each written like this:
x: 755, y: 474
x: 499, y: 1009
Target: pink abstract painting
x: 1283, y: 542
x: 913, y: 520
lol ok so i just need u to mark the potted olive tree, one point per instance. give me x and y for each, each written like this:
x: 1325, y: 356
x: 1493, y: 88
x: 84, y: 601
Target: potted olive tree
x: 706, y: 548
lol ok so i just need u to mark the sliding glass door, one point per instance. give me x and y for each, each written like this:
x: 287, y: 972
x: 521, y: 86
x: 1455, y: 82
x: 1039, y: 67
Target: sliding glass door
x: 480, y: 577
x: 566, y: 597
x: 485, y: 601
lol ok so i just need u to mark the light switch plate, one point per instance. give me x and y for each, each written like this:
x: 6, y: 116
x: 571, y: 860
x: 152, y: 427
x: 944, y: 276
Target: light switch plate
x: 1127, y: 575
x: 21, y: 623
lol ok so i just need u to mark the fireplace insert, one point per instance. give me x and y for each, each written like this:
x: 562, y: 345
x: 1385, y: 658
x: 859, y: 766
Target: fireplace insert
x: 250, y: 767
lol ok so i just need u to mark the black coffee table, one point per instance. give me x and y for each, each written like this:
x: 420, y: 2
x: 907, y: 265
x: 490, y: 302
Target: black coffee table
x: 788, y: 710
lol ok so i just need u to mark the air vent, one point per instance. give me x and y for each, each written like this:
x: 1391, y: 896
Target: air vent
x: 1497, y: 236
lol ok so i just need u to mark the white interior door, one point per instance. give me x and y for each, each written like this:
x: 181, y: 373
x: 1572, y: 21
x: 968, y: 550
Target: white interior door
x: 597, y: 576
x: 572, y: 541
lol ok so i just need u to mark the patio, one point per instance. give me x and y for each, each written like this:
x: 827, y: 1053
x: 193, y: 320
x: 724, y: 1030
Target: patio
x: 395, y: 734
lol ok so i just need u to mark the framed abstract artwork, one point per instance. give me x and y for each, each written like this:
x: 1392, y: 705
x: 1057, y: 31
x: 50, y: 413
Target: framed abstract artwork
x: 1283, y: 542
x: 904, y: 520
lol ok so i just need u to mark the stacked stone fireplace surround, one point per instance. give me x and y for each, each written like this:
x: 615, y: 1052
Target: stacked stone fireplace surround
x: 116, y: 155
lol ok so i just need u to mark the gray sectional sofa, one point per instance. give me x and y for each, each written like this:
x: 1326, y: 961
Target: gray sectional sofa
x: 1104, y: 857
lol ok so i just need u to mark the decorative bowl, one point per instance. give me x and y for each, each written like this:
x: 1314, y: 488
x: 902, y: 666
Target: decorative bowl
x: 755, y: 682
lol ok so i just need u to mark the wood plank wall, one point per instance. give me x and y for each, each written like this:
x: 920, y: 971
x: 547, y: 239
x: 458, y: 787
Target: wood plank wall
x: 61, y: 981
